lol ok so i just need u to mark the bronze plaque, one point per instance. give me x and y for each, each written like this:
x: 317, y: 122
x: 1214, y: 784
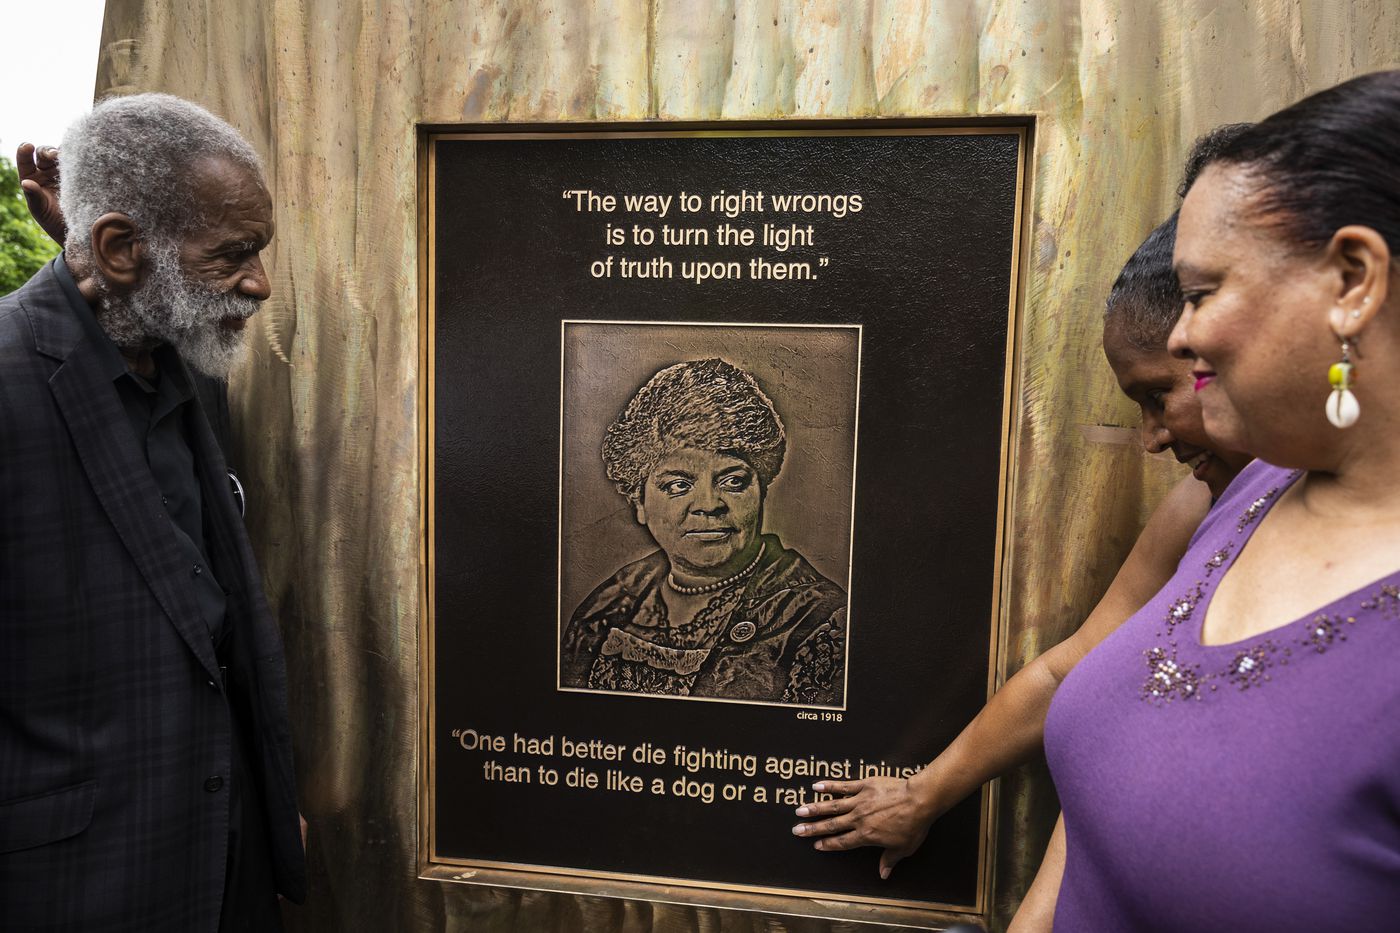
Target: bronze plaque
x: 716, y: 422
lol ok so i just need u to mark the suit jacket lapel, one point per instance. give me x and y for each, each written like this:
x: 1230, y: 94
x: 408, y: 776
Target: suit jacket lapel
x: 124, y: 485
x: 231, y: 560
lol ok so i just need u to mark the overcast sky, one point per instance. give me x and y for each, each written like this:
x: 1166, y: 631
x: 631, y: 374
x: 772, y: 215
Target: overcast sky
x: 48, y: 66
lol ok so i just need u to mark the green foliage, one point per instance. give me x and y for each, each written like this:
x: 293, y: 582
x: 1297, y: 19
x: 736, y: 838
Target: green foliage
x: 24, y: 247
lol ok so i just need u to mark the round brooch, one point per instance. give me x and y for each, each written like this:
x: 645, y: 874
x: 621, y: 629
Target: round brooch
x: 743, y: 631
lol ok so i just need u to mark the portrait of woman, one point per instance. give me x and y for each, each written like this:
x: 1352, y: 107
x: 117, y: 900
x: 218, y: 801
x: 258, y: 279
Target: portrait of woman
x: 720, y: 609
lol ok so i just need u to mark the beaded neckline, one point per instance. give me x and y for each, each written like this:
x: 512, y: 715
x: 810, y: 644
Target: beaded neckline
x: 1250, y: 663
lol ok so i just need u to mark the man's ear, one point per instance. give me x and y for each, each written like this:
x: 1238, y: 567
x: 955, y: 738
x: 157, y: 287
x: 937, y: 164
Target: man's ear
x: 117, y: 251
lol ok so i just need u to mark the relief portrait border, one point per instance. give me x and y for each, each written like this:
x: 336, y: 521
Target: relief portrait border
x: 858, y: 330
x: 778, y: 901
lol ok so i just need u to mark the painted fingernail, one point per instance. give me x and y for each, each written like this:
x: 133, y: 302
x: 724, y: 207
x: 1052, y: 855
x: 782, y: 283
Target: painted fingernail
x: 884, y: 874
x: 817, y: 845
x: 799, y: 829
x: 819, y: 787
x: 803, y: 811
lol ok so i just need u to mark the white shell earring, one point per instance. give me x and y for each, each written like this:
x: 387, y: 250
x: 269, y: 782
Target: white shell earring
x: 1342, y: 407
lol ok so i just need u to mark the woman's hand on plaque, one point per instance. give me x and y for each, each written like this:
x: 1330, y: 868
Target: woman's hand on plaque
x: 876, y: 811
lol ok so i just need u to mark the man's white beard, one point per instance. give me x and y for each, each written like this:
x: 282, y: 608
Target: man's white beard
x: 169, y: 307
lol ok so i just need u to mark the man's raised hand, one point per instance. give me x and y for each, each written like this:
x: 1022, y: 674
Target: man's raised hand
x: 38, y: 178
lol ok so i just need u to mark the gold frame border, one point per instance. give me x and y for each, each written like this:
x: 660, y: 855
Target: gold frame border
x: 657, y: 889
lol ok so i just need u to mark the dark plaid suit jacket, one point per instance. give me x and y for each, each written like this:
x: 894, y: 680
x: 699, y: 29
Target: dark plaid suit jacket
x: 115, y: 721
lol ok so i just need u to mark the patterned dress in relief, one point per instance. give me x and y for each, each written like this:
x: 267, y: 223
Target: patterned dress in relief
x: 779, y: 636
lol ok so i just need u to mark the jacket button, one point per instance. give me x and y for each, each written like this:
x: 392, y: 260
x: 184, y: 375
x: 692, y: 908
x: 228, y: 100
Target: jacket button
x: 213, y: 784
x: 197, y: 570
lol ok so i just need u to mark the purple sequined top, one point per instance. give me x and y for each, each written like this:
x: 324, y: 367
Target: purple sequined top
x: 1247, y: 786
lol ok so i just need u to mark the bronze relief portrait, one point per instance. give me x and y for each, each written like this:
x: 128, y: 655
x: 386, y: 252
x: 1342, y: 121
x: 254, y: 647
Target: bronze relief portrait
x: 719, y: 605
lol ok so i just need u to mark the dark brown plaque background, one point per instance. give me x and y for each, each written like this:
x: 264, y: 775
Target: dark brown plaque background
x: 927, y: 269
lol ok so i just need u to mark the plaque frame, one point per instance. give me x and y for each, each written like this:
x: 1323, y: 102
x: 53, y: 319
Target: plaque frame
x: 664, y: 890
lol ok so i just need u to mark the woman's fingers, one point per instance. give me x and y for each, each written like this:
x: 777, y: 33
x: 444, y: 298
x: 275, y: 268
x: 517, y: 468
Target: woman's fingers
x: 865, y: 813
x: 827, y: 807
x: 851, y: 839
x: 838, y: 824
x: 829, y: 810
x: 871, y: 812
x: 889, y: 859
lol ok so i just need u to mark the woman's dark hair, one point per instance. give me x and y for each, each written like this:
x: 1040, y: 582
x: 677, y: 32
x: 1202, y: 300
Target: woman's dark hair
x: 1328, y: 161
x: 705, y: 404
x: 1206, y: 149
x: 1146, y: 300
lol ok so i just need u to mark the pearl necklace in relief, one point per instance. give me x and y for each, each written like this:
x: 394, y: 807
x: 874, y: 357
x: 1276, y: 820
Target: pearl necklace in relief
x: 719, y: 584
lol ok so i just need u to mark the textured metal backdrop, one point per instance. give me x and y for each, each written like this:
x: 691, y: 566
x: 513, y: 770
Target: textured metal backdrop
x: 325, y: 415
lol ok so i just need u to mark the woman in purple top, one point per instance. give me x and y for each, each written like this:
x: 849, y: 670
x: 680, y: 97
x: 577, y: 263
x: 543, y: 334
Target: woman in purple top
x: 1229, y: 759
x: 895, y: 814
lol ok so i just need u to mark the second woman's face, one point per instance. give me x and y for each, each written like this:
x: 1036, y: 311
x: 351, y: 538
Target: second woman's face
x: 1255, y: 324
x: 705, y: 510
x: 1164, y: 390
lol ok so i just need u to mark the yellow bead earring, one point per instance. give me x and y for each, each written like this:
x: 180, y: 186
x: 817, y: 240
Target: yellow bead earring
x: 1342, y: 407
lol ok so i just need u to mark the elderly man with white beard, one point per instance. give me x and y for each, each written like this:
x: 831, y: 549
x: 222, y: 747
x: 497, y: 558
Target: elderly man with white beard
x: 145, y: 757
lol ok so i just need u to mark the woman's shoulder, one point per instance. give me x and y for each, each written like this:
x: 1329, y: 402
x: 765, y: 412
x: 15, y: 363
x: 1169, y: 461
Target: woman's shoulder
x: 785, y: 569
x: 619, y: 592
x: 1252, y: 488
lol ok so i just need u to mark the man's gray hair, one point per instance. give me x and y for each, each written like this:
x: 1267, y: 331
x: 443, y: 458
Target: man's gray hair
x: 133, y: 155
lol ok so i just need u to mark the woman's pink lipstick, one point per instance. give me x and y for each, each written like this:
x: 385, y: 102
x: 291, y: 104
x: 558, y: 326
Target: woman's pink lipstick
x: 1203, y: 380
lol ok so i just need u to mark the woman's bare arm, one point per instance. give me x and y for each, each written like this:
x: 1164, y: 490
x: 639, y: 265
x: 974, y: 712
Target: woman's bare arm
x: 1037, y: 911
x: 895, y: 813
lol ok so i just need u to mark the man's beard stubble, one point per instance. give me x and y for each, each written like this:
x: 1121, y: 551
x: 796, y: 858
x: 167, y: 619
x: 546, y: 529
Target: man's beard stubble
x: 169, y: 307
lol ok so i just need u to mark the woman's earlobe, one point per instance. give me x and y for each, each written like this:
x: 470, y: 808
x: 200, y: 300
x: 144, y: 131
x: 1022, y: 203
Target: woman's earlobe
x: 641, y: 512
x: 1341, y: 322
x: 1365, y: 267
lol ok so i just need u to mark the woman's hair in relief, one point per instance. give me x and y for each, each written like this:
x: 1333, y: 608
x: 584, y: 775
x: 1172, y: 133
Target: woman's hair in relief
x: 706, y: 404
